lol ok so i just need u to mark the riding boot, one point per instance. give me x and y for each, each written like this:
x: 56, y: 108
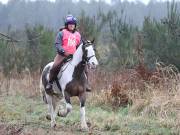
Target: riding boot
x: 52, y: 77
x: 88, y: 88
x: 54, y: 72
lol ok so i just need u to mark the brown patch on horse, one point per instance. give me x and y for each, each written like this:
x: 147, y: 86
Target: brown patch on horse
x: 78, y: 85
x: 74, y: 88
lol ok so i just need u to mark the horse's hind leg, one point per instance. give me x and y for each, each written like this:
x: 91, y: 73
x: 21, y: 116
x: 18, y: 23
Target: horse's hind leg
x: 82, y: 99
x: 48, y: 116
x: 51, y: 108
x: 61, y: 112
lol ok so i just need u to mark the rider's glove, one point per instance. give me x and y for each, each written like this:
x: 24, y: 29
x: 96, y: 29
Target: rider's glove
x: 61, y: 52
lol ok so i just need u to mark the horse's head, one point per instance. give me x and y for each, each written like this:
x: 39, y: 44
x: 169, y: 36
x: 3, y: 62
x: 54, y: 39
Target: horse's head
x: 89, y: 55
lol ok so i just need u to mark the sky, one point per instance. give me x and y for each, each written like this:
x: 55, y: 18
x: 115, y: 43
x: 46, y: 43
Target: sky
x: 108, y: 1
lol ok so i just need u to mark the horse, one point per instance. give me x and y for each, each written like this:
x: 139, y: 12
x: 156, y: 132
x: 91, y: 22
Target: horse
x: 71, y: 81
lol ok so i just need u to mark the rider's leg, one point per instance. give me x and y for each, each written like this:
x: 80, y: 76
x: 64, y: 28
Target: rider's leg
x: 88, y: 88
x: 54, y: 70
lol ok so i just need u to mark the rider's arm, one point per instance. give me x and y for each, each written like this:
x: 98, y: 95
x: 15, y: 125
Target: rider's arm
x: 58, y: 43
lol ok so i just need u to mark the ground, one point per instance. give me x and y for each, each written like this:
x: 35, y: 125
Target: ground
x: 20, y: 115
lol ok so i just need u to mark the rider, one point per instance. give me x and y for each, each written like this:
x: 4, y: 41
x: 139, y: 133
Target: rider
x: 66, y: 43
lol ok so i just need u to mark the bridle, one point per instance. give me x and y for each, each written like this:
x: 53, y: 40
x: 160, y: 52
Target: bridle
x: 86, y: 59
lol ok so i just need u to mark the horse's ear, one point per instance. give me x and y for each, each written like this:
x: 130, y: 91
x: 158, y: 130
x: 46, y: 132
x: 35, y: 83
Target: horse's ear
x: 93, y: 41
x: 83, y: 43
x: 83, y: 40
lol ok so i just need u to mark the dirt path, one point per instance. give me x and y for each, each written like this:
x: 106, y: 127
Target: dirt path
x: 6, y: 129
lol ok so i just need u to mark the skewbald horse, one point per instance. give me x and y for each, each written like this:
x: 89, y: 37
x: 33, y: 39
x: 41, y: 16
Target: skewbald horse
x: 72, y: 82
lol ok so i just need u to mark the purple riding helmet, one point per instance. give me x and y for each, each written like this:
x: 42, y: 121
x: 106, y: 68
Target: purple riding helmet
x: 70, y: 19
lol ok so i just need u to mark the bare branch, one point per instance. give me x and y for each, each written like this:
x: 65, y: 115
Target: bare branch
x: 10, y: 39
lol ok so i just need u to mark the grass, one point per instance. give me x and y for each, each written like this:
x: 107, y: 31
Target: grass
x: 30, y: 113
x: 152, y: 103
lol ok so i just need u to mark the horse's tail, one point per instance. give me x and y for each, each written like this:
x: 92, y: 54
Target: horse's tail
x: 42, y: 91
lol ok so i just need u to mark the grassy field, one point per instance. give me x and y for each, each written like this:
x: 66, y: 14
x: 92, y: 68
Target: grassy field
x: 24, y: 115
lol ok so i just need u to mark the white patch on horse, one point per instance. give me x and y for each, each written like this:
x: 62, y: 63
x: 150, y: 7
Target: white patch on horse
x: 83, y: 119
x: 77, y: 58
x: 48, y: 65
x: 91, y: 55
x: 51, y: 108
x: 68, y: 107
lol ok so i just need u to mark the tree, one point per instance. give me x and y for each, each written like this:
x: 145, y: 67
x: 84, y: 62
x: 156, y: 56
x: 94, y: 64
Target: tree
x: 122, y: 35
x: 162, y: 40
x: 39, y: 48
x: 87, y: 26
x: 32, y: 48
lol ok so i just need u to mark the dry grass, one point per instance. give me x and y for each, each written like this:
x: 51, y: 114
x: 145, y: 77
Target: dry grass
x: 154, y: 94
x: 25, y: 84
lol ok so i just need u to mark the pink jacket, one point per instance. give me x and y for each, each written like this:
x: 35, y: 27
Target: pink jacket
x: 70, y: 41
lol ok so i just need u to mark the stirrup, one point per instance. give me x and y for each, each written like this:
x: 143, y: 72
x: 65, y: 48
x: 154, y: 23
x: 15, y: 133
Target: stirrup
x: 88, y: 89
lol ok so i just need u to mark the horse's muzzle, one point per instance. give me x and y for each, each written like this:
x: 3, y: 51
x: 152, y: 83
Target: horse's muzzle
x: 92, y: 66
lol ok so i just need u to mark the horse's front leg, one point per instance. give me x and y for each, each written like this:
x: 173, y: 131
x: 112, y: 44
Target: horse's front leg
x: 82, y: 99
x: 68, y: 105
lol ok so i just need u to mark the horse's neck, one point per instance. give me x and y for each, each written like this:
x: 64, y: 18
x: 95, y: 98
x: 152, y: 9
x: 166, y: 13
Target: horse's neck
x: 77, y: 62
x: 77, y: 57
x: 78, y: 73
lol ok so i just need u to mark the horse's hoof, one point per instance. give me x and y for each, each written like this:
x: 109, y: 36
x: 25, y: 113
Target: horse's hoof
x: 89, y: 124
x: 48, y: 117
x: 88, y: 89
x: 53, y: 125
x: 62, y: 114
x: 85, y: 129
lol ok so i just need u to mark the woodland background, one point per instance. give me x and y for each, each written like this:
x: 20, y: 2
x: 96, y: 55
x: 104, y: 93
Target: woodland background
x: 136, y: 86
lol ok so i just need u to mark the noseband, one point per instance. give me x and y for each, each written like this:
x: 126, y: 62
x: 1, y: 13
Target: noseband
x: 88, y: 58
